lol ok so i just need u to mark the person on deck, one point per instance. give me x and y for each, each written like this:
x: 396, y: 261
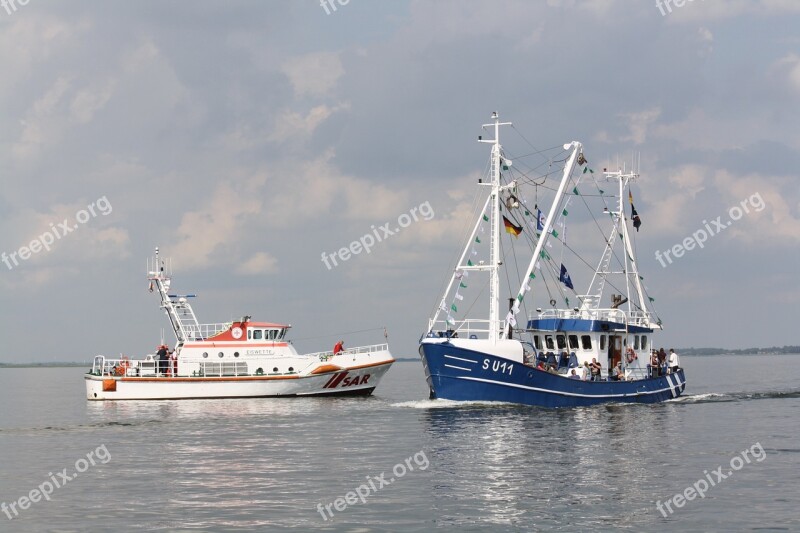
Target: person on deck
x: 585, y: 372
x: 619, y: 374
x: 574, y: 375
x: 338, y: 348
x: 674, y: 361
x: 163, y: 359
x: 595, y: 367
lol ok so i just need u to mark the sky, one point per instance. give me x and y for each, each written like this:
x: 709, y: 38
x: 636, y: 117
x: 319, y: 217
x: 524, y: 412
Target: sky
x: 247, y: 139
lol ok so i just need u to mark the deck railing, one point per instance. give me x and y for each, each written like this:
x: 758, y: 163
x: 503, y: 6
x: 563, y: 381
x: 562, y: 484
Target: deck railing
x: 634, y: 318
x: 463, y: 328
x: 352, y: 351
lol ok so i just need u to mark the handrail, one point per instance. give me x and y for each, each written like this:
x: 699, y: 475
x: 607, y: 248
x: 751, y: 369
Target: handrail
x: 352, y: 351
x: 463, y: 327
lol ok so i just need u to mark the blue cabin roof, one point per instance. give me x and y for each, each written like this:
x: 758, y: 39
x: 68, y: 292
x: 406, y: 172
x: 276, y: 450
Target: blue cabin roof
x: 581, y: 324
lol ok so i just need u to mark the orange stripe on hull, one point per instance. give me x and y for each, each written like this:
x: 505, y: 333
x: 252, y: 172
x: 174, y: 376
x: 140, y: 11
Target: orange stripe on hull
x: 326, y: 368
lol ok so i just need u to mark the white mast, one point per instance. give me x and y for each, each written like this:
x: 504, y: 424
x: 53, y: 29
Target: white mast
x: 548, y: 225
x: 494, y: 254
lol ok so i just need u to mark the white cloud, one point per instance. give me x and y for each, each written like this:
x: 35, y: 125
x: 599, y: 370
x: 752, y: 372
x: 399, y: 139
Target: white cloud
x: 639, y: 122
x: 314, y: 74
x: 259, y: 263
x: 291, y: 126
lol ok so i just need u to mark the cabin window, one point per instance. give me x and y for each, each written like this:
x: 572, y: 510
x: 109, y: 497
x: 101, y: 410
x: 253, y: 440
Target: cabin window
x: 562, y: 342
x: 617, y: 342
x: 602, y: 342
x: 249, y: 334
x: 548, y: 341
x: 257, y: 334
x: 636, y: 342
x: 586, y: 342
x: 537, y: 342
x: 644, y: 342
x: 573, y: 342
x: 273, y: 333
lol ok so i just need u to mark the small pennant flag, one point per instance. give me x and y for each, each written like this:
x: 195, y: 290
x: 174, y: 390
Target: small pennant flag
x: 532, y: 276
x: 454, y: 308
x: 554, y: 233
x: 478, y: 240
x: 462, y: 285
x: 565, y: 212
x: 651, y: 298
x: 510, y: 319
x: 485, y: 218
x: 469, y: 262
x: 511, y: 227
x: 459, y: 297
x: 459, y: 274
x: 564, y: 277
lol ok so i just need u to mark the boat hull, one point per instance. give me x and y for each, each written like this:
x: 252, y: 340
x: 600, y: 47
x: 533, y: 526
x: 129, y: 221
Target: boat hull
x: 357, y: 381
x: 457, y: 373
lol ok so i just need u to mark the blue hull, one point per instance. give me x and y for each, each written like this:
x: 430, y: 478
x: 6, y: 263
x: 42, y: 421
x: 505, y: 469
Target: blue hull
x: 466, y: 375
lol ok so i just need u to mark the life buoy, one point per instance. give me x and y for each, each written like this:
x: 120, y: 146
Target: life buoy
x: 630, y: 355
x: 124, y: 364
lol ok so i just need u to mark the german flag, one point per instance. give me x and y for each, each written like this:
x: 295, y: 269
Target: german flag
x: 511, y: 228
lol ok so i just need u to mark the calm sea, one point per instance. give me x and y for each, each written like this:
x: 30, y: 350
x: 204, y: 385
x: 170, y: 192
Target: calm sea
x: 263, y: 464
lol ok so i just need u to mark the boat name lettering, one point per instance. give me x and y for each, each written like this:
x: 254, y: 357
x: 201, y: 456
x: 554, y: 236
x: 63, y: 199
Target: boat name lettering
x: 497, y: 366
x: 258, y: 352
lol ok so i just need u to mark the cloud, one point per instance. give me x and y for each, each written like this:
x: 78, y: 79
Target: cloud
x: 259, y: 263
x: 639, y: 122
x: 91, y: 99
x: 291, y: 126
x: 313, y: 74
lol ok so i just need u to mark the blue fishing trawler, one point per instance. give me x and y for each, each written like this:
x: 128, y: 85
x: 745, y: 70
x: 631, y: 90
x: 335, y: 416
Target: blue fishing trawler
x: 569, y: 349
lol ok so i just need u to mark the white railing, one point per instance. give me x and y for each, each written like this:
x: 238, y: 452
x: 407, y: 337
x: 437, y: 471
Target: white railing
x: 635, y: 318
x: 462, y: 328
x: 323, y: 356
x: 202, y: 332
x: 150, y: 366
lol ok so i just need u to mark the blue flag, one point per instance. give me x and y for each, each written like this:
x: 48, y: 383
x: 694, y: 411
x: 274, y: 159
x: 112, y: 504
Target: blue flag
x: 539, y: 220
x: 564, y: 277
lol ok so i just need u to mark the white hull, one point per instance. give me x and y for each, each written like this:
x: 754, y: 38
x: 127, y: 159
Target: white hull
x: 356, y: 380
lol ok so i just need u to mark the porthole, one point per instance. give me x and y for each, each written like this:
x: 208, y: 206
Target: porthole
x: 205, y: 354
x: 220, y: 354
x: 291, y: 369
x: 275, y: 369
x: 236, y: 354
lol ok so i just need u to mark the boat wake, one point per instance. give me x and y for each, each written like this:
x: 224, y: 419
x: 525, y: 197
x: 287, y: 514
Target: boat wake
x: 448, y: 404
x: 714, y: 397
